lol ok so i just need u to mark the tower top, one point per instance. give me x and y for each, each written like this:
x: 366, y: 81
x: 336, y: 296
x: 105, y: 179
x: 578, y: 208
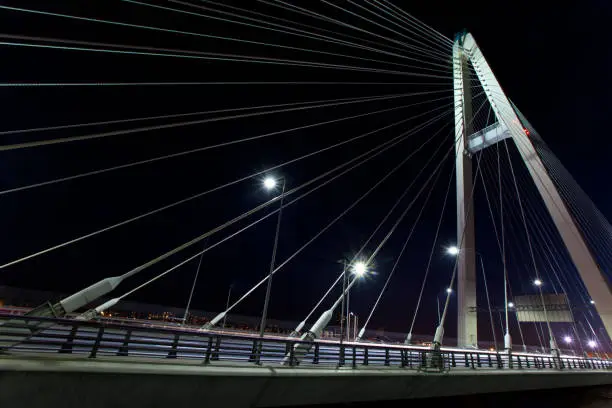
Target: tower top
x: 460, y: 36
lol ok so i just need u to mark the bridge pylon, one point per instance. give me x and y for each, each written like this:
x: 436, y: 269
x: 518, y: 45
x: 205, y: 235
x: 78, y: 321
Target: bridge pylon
x: 509, y: 125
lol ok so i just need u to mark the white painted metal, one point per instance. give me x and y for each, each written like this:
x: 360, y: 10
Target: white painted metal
x: 595, y: 282
x: 487, y: 137
x: 466, y: 258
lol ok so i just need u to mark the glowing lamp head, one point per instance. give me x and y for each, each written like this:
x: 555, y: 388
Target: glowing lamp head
x: 592, y: 302
x: 592, y: 343
x: 537, y: 282
x: 449, y: 290
x: 453, y: 250
x: 510, y: 305
x: 360, y: 269
x: 269, y: 183
x: 567, y: 339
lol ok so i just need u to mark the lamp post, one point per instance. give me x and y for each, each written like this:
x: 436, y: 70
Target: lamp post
x: 195, y: 279
x: 270, y: 183
x: 342, y: 309
x: 359, y: 270
x: 355, y: 325
x: 454, y: 251
x: 552, y: 341
x: 229, y: 294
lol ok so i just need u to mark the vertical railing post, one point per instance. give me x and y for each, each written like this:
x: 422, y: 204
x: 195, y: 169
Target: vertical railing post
x: 354, y: 357
x: 67, y: 346
x: 208, y: 350
x: 365, y: 356
x: 453, y: 362
x: 341, y: 356
x: 291, y: 355
x: 215, y: 353
x: 387, y: 359
x: 124, y: 348
x: 96, y: 345
x: 254, y: 349
x: 315, y: 359
x: 173, y: 352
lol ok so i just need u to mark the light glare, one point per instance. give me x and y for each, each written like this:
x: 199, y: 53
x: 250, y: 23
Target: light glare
x: 453, y: 250
x: 592, y: 343
x: 510, y: 305
x: 537, y: 282
x: 567, y: 339
x: 449, y: 290
x: 269, y: 183
x: 360, y: 269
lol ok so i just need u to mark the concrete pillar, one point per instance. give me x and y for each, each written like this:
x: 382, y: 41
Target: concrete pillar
x: 590, y: 273
x: 466, y: 262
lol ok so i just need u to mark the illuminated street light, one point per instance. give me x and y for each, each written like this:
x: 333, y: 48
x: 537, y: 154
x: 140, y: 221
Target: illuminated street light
x: 453, y: 250
x: 537, y: 282
x: 567, y: 339
x: 592, y: 302
x: 269, y: 183
x: 360, y: 269
x: 510, y: 305
x: 592, y: 343
x: 449, y: 290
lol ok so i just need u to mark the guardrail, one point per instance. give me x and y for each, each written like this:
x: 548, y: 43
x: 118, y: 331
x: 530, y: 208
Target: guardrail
x: 28, y: 335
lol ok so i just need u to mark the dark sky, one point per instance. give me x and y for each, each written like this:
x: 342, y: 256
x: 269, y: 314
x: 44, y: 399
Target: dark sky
x: 553, y: 62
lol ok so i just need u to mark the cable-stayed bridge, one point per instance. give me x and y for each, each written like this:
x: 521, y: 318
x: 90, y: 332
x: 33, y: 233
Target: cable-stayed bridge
x: 357, y: 124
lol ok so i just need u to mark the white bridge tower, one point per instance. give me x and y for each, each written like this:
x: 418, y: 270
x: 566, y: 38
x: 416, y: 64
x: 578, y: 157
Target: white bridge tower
x: 508, y: 125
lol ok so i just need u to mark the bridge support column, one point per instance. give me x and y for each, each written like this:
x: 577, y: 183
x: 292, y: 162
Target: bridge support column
x: 590, y: 273
x: 466, y: 258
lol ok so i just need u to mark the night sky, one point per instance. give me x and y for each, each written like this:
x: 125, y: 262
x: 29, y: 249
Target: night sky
x: 553, y: 62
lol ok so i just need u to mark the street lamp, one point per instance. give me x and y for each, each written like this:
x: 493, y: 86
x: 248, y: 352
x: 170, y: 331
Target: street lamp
x: 537, y: 282
x: 452, y: 250
x: 360, y: 269
x: 592, y: 302
x: 355, y: 321
x: 270, y: 184
x: 592, y: 343
x: 567, y: 339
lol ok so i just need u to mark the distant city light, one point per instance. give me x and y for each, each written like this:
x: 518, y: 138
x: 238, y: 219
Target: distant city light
x: 269, y: 183
x: 592, y: 343
x: 537, y: 282
x: 567, y: 339
x: 510, y: 305
x: 453, y: 250
x: 360, y: 269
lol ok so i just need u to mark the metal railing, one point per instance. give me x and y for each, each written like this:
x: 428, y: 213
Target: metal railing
x: 25, y: 335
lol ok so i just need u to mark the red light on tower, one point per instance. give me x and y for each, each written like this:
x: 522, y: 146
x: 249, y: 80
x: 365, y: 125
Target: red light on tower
x: 526, y: 131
